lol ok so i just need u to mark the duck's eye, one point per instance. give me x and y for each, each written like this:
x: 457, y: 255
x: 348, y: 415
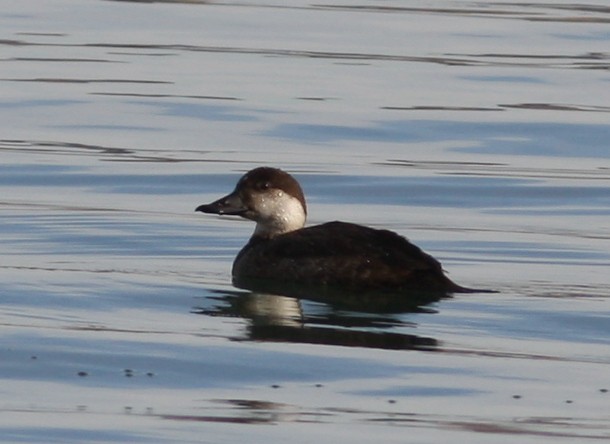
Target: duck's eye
x: 264, y: 185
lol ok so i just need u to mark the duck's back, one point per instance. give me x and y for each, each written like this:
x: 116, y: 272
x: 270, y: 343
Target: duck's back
x: 343, y: 255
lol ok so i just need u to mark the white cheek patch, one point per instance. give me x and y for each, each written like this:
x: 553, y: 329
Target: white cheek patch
x: 278, y: 213
x: 291, y: 213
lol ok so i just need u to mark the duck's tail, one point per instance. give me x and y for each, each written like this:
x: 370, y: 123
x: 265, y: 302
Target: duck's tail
x: 459, y: 289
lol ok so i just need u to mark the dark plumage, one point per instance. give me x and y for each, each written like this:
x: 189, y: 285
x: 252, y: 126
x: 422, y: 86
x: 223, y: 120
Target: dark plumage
x: 345, y: 255
x: 335, y: 256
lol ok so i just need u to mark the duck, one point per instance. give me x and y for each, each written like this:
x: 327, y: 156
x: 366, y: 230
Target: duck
x: 282, y: 252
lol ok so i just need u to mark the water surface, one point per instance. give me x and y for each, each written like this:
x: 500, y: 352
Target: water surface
x: 477, y: 130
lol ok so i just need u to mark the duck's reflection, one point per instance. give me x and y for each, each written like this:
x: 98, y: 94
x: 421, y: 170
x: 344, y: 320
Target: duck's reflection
x: 278, y: 318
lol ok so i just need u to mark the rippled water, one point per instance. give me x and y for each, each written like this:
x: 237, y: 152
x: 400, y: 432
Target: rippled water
x: 478, y: 130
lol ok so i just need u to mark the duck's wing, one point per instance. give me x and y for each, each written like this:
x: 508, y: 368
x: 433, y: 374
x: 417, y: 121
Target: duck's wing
x: 357, y: 243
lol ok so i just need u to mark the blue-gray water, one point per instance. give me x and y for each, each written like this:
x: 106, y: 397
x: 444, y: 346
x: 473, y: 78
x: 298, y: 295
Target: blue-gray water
x: 478, y: 130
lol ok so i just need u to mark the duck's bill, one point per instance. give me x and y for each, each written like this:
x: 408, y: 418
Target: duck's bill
x: 229, y: 205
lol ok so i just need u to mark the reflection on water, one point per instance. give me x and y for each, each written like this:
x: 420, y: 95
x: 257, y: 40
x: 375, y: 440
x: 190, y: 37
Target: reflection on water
x: 244, y: 411
x: 285, y: 319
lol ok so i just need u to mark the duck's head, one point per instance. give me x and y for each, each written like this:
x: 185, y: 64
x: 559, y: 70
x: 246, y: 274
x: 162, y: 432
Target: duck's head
x: 270, y: 197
